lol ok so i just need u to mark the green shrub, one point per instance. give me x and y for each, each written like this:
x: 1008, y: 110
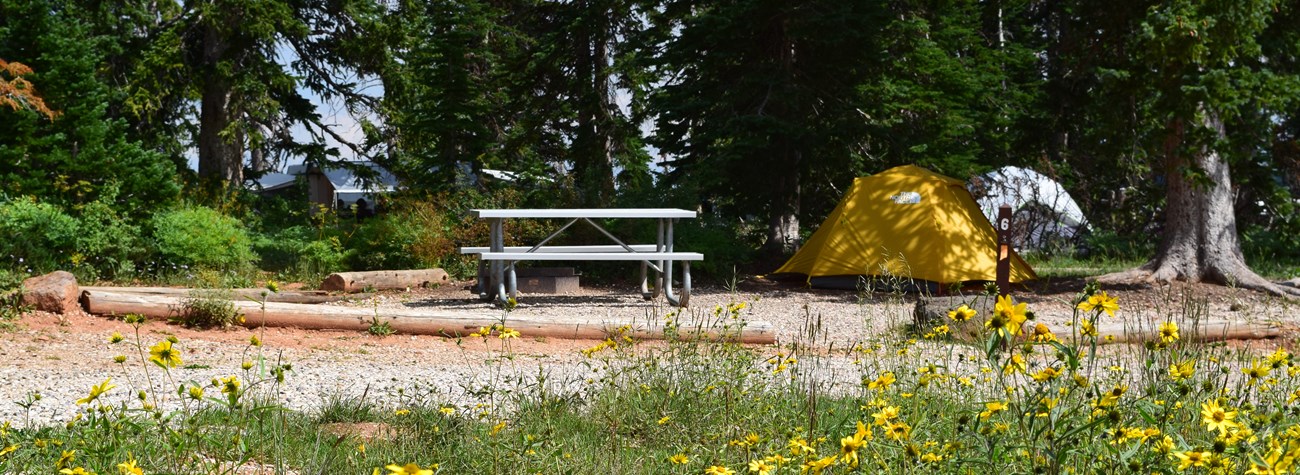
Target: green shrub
x: 209, y: 309
x: 107, y: 245
x: 38, y: 237
x: 301, y: 253
x: 202, y: 237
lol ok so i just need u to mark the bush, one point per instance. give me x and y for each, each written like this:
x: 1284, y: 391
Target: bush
x: 209, y: 309
x: 107, y: 245
x: 301, y: 253
x: 39, y: 237
x: 202, y: 237
x: 422, y: 233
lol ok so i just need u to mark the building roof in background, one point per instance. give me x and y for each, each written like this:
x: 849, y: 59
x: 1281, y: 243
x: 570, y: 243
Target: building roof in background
x: 273, y: 181
x: 345, y: 180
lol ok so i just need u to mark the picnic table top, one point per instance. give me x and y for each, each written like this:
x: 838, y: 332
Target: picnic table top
x: 584, y: 213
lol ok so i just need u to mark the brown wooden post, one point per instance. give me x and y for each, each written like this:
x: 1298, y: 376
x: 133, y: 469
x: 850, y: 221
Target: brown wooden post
x: 1003, y: 226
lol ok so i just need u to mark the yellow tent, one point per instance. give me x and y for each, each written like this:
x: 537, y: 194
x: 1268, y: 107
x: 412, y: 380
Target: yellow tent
x: 909, y: 222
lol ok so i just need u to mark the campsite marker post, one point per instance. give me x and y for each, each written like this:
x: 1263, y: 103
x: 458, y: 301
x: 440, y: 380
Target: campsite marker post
x: 1004, y: 250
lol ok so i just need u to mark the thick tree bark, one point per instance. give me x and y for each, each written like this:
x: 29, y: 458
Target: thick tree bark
x: 783, y: 218
x: 1200, y: 242
x: 221, y: 155
x: 593, y: 159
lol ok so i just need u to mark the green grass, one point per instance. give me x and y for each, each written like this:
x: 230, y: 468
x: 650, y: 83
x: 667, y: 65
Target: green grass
x: 925, y: 405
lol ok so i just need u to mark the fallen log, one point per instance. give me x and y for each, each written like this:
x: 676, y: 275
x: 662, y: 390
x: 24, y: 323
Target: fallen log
x: 352, y: 282
x: 285, y: 296
x: 422, y: 321
x: 1205, y: 331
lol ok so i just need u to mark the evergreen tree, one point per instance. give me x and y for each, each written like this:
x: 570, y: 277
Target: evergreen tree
x: 1195, y: 84
x: 70, y: 159
x: 750, y: 96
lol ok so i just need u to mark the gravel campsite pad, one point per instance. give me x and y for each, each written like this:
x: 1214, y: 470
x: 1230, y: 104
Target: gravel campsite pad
x: 61, y: 357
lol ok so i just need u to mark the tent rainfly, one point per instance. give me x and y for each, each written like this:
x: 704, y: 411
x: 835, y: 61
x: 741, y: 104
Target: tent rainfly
x: 907, y: 222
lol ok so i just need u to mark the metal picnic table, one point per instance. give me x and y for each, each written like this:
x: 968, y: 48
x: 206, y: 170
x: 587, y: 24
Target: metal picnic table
x: 498, y: 261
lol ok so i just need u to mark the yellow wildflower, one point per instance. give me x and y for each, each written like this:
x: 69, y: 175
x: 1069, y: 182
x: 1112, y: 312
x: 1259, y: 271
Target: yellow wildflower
x: 1168, y: 332
x: 718, y: 470
x: 1007, y: 317
x: 1047, y: 374
x: 1015, y: 365
x: 1182, y: 370
x: 886, y: 414
x: 679, y: 459
x: 409, y: 469
x: 230, y: 385
x: 97, y: 390
x: 1257, y: 370
x: 760, y: 467
x: 116, y: 338
x: 962, y: 313
x: 66, y: 458
x: 883, y: 381
x: 508, y: 333
x: 1042, y: 334
x: 898, y: 430
x: 815, y: 467
x: 1100, y: 301
x: 164, y: 355
x: 1088, y: 329
x: 799, y: 446
x: 849, y: 445
x: 1215, y: 417
x: 1110, y: 398
x: 1192, y: 458
x: 76, y: 471
x: 129, y: 467
x: 992, y: 408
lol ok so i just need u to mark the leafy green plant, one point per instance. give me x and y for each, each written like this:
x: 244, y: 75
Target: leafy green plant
x: 380, y: 327
x: 39, y: 237
x: 209, y: 309
x: 12, y: 308
x: 202, y: 237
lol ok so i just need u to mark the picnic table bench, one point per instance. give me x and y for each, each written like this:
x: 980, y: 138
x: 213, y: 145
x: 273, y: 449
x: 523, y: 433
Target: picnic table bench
x: 497, y: 261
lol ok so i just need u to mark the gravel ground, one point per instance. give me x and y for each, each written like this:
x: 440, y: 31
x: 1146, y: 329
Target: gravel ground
x: 61, y: 357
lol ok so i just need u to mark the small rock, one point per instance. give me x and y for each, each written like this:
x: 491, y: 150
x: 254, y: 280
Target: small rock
x: 56, y: 292
x: 933, y: 311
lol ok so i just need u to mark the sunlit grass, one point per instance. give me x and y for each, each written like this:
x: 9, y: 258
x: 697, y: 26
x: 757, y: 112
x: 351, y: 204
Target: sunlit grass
x: 1025, y: 399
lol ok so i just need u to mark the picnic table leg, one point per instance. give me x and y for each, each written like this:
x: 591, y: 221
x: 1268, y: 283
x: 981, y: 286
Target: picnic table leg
x: 668, y: 274
x: 481, y: 281
x: 512, y: 282
x: 496, y: 284
x: 645, y: 283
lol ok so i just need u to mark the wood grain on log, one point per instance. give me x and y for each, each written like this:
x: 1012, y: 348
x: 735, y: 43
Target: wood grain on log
x: 284, y: 296
x: 423, y: 321
x: 384, y: 280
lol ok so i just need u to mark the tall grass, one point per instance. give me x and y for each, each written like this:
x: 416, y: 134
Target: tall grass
x: 1023, y: 399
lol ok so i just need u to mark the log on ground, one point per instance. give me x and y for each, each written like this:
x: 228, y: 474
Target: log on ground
x: 421, y: 321
x: 286, y: 296
x: 1204, y: 331
x: 384, y: 280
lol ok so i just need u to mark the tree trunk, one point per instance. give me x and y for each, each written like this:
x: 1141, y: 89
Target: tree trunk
x: 593, y: 154
x: 220, y: 154
x: 783, y: 219
x: 1200, y: 242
